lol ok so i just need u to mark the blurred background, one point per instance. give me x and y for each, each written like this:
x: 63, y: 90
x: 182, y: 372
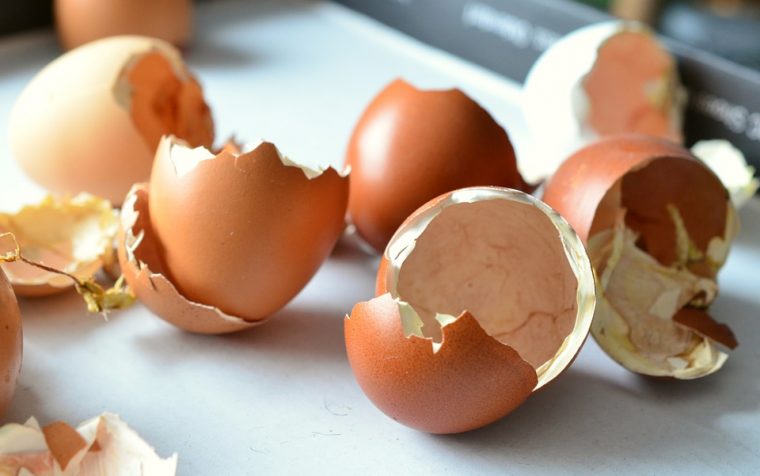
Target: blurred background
x: 728, y: 28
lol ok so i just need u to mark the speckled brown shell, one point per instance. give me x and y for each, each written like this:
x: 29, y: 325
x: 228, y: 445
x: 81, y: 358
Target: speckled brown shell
x: 11, y: 342
x: 472, y: 381
x: 410, y: 146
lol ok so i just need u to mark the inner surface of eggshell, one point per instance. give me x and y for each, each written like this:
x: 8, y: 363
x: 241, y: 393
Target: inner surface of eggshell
x: 503, y: 262
x: 74, y: 235
x: 165, y: 99
x: 11, y: 342
x: 649, y: 193
x: 648, y: 320
x: 633, y: 87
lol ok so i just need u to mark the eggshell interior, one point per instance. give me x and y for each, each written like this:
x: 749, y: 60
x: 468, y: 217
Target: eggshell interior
x: 504, y: 263
x: 633, y: 87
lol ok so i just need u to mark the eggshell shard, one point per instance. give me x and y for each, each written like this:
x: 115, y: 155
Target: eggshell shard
x: 102, y: 445
x: 230, y: 234
x: 82, y: 21
x: 74, y: 235
x: 140, y: 259
x: 11, y: 343
x: 91, y: 120
x: 730, y: 165
x: 485, y: 295
x: 607, y: 78
x: 411, y: 145
x: 658, y: 225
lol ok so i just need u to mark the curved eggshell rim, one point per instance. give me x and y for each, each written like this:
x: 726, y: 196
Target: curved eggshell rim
x: 138, y: 274
x: 403, y: 241
x: 50, y: 284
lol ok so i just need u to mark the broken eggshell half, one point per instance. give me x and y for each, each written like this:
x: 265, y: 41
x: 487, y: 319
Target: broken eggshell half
x: 11, y: 343
x: 101, y: 445
x: 607, y: 78
x: 90, y: 121
x: 658, y: 225
x: 485, y: 295
x: 219, y: 242
x: 71, y: 234
x: 411, y: 145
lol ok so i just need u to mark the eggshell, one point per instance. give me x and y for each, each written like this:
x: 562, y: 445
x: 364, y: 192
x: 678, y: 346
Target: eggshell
x: 410, y: 146
x: 91, y: 120
x: 74, y: 235
x: 635, y: 183
x: 653, y: 173
x: 101, y: 445
x: 231, y: 234
x: 607, y: 78
x: 82, y: 21
x: 140, y: 259
x: 485, y: 295
x: 11, y: 343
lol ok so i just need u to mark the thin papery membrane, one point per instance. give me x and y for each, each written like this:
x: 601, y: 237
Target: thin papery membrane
x: 104, y: 445
x: 730, y: 165
x: 185, y: 158
x: 403, y: 242
x: 79, y: 230
x: 662, y: 292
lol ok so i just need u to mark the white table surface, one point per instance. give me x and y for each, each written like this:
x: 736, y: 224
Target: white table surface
x: 281, y: 399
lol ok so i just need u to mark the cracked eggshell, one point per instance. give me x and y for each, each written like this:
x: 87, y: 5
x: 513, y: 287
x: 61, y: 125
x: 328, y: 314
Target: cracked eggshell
x: 82, y: 21
x: 485, y: 295
x: 11, y: 343
x: 648, y: 204
x: 228, y: 239
x: 91, y: 120
x: 101, y: 445
x: 74, y: 235
x: 607, y: 78
x: 411, y: 145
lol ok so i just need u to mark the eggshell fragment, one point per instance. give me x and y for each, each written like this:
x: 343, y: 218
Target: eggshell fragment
x: 141, y: 262
x: 731, y: 166
x: 485, y: 295
x: 91, y: 120
x: 102, y: 445
x: 658, y: 225
x: 82, y: 21
x: 11, y: 343
x: 607, y: 78
x: 231, y: 234
x: 411, y: 145
x: 74, y: 235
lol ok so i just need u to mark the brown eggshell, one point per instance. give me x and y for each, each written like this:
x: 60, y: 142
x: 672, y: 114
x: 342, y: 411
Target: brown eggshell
x: 246, y: 232
x: 82, y: 21
x: 140, y: 260
x: 11, y: 343
x: 410, y: 146
x: 439, y: 392
x: 91, y: 119
x: 470, y: 370
x: 652, y: 173
x: 701, y: 322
